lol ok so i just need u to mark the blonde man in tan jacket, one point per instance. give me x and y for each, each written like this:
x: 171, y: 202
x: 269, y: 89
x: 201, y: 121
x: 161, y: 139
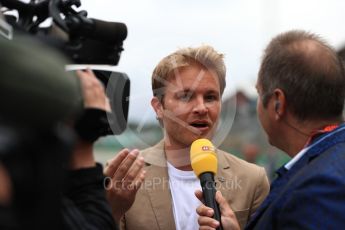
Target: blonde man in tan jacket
x: 155, y: 188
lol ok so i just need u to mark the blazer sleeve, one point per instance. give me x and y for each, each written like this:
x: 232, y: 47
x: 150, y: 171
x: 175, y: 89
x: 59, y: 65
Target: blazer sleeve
x: 261, y: 191
x: 317, y: 203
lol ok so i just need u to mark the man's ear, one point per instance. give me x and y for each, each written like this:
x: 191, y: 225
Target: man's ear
x: 158, y: 107
x: 279, y: 103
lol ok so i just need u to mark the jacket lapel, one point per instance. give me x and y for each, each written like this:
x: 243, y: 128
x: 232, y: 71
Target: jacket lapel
x: 276, y: 187
x: 222, y: 174
x: 158, y: 190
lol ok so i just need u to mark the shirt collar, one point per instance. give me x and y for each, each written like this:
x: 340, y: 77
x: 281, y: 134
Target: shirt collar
x: 327, y: 129
x: 299, y: 155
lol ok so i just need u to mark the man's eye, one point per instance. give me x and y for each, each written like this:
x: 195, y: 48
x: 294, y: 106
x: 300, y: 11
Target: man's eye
x: 211, y: 98
x: 184, y: 97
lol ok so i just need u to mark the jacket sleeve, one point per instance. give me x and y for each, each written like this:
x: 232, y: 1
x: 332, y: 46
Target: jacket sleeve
x: 317, y: 203
x: 84, y: 202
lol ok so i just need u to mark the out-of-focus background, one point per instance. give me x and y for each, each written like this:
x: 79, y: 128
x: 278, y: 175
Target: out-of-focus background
x: 239, y: 29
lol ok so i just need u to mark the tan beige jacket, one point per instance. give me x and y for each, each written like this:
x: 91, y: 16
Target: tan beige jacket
x: 244, y: 185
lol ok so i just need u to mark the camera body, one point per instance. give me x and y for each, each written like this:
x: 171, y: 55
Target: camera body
x: 81, y: 40
x: 41, y: 104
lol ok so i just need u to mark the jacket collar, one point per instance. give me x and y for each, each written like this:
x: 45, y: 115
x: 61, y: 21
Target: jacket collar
x: 156, y: 156
x: 326, y: 141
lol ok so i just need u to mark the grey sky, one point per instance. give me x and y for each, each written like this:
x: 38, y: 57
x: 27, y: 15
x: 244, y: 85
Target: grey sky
x: 238, y: 28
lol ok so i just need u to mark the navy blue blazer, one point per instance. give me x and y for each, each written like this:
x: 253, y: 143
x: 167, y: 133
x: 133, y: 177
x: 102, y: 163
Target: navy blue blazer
x: 311, y: 195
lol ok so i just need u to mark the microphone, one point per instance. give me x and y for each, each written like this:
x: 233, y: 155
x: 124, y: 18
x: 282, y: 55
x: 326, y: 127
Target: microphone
x: 204, y: 163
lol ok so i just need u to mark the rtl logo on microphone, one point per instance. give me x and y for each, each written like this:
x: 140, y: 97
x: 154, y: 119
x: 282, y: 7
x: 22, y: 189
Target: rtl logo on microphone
x: 207, y: 148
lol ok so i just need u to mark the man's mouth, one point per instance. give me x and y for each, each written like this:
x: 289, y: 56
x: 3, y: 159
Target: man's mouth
x: 200, y: 125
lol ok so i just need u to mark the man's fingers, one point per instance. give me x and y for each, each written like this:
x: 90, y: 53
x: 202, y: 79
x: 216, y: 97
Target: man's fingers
x: 134, y: 171
x: 89, y: 71
x: 126, y: 164
x: 206, y: 228
x: 207, y: 222
x: 219, y: 198
x: 138, y: 181
x: 93, y: 91
x: 223, y: 205
x: 112, y: 165
x: 202, y: 210
x: 88, y: 78
x: 86, y: 73
x: 198, y: 195
x: 229, y: 219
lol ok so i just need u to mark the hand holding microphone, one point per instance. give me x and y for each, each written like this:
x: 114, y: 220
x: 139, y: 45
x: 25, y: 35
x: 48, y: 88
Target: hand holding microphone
x: 204, y: 164
x: 228, y: 217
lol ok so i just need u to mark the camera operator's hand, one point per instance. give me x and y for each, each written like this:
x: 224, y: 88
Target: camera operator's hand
x: 93, y: 91
x: 94, y: 97
x: 125, y: 175
x: 205, y: 220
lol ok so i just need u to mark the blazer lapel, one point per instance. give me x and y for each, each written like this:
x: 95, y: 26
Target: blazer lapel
x: 222, y: 174
x: 157, y: 187
x: 276, y: 187
x: 160, y: 197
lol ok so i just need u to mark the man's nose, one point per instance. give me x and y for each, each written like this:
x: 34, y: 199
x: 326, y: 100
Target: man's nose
x: 200, y: 106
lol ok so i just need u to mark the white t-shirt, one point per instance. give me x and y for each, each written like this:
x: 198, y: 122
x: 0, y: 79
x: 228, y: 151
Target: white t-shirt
x: 183, y: 185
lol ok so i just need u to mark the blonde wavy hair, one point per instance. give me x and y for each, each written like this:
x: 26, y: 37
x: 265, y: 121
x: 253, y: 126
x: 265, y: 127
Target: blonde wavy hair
x: 204, y: 55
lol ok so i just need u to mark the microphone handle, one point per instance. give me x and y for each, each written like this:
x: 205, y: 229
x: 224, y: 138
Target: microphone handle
x: 209, y: 194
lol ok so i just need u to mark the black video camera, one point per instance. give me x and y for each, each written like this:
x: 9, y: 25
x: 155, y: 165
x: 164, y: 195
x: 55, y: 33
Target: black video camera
x: 84, y: 41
